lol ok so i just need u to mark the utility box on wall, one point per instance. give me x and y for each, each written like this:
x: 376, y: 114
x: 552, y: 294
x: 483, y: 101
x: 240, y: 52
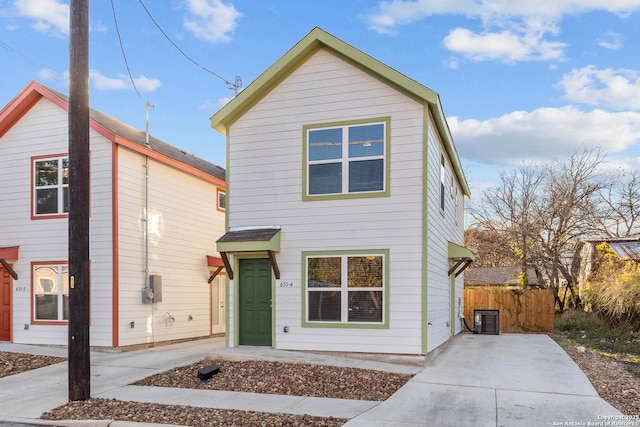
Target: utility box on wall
x: 153, y: 293
x: 155, y: 283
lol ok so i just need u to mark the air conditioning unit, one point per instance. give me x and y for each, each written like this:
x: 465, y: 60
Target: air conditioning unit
x: 486, y: 322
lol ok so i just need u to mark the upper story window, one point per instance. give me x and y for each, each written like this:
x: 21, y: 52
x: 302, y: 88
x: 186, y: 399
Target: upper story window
x: 348, y: 158
x: 50, y: 293
x: 50, y: 186
x: 221, y: 203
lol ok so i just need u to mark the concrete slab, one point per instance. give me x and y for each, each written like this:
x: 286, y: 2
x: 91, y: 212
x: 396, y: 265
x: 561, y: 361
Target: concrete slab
x: 517, y: 408
x: 421, y: 404
x: 270, y: 403
x: 508, y: 361
x: 31, y: 393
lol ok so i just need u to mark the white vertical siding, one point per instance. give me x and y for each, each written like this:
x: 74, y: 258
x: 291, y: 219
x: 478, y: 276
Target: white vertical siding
x: 43, y: 131
x: 184, y: 225
x: 443, y: 226
x: 266, y: 167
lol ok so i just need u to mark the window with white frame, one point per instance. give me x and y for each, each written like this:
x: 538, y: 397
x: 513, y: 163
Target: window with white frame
x: 346, y: 159
x: 51, y: 186
x: 347, y: 288
x: 51, y: 292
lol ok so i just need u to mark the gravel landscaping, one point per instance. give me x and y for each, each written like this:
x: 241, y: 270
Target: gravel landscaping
x: 289, y: 379
x: 14, y: 363
x: 611, y: 379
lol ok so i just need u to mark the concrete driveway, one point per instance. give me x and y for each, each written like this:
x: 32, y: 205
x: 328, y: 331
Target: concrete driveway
x: 496, y: 380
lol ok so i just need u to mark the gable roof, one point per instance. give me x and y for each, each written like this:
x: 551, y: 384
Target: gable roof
x: 114, y: 130
x: 498, y: 276
x: 319, y: 39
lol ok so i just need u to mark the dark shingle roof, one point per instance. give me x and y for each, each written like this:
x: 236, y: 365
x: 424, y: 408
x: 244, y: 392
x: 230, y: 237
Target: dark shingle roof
x: 139, y: 137
x: 498, y: 276
x: 250, y: 235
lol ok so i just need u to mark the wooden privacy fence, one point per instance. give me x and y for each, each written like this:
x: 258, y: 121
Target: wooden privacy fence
x: 530, y: 310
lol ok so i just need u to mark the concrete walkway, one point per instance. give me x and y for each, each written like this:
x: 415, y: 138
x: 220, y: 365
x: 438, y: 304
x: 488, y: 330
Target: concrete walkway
x: 479, y: 380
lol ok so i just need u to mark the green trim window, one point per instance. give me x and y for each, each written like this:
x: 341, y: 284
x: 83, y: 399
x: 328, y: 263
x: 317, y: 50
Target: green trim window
x: 346, y: 158
x: 51, y: 293
x: 51, y: 186
x: 346, y: 288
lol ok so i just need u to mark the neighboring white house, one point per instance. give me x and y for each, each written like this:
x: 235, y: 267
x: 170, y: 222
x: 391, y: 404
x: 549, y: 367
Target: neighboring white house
x: 345, y: 214
x: 153, y: 224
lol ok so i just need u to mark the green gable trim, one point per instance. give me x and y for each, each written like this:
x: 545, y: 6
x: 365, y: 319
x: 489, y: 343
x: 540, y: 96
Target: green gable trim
x: 425, y: 230
x: 319, y: 39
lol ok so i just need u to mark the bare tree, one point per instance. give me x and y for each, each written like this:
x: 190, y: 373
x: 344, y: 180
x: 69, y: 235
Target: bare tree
x: 543, y: 213
x: 567, y: 213
x: 507, y: 213
x: 491, y: 247
x: 620, y: 209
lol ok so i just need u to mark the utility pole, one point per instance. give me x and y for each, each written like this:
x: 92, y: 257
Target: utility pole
x: 79, y: 280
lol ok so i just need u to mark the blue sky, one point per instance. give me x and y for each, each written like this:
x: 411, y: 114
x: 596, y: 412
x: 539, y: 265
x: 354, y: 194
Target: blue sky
x: 520, y: 80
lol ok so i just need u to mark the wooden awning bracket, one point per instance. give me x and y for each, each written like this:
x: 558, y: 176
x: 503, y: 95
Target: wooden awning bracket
x: 460, y: 266
x: 7, y: 267
x: 274, y: 264
x: 227, y: 265
x: 215, y: 273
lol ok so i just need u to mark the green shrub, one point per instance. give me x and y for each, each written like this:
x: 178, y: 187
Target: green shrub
x: 589, y: 330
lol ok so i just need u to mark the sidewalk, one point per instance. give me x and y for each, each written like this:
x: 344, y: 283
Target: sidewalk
x: 503, y: 380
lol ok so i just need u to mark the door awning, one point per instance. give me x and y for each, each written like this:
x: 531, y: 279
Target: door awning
x: 460, y: 257
x: 217, y: 263
x: 9, y: 253
x: 250, y: 240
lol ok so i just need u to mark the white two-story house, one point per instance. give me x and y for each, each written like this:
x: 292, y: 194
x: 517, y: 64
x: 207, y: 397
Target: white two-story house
x: 345, y: 207
x: 155, y: 213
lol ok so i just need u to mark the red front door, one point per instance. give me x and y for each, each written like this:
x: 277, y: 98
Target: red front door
x: 5, y: 305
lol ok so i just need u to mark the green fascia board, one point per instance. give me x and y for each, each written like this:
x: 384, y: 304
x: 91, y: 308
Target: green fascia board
x: 317, y: 39
x: 458, y: 252
x: 250, y: 246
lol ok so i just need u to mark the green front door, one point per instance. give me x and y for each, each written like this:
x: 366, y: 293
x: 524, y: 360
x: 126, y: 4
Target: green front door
x: 255, y: 302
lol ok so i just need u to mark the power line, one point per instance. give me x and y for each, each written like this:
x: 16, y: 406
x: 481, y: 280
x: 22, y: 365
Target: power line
x: 235, y: 86
x: 29, y: 61
x: 124, y: 55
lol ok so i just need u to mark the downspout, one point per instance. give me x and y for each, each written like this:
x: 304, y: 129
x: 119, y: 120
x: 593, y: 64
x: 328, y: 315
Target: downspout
x: 146, y: 217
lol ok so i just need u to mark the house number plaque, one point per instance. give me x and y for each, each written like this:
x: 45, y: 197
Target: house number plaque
x: 287, y: 284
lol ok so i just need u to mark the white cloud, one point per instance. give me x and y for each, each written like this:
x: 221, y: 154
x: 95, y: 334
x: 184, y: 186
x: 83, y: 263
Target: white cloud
x: 543, y: 133
x: 512, y: 30
x: 506, y: 46
x: 121, y: 82
x: 610, y: 40
x: 50, y: 16
x: 618, y: 89
x: 211, y: 20
x: 145, y: 84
